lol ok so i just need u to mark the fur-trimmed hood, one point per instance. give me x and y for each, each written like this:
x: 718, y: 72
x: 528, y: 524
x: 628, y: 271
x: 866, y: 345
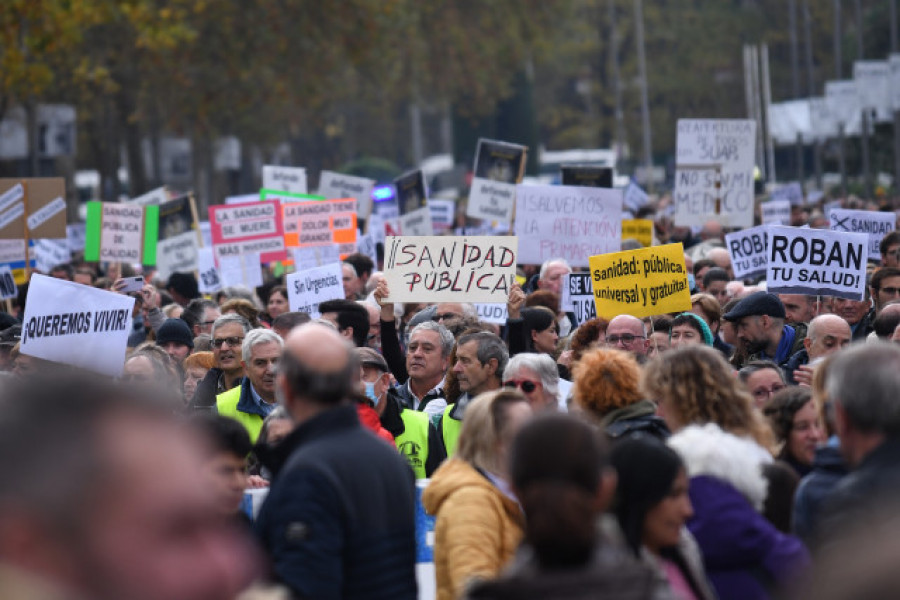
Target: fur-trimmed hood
x: 707, y: 450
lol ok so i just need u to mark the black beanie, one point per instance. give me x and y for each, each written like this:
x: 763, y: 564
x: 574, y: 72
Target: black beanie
x: 174, y: 330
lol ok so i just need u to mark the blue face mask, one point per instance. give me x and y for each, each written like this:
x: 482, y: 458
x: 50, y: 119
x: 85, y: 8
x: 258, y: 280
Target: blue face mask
x: 370, y: 393
x: 691, y: 281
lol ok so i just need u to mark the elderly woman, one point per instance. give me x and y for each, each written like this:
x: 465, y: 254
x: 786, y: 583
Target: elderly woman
x: 537, y: 377
x: 478, y: 519
x: 607, y: 387
x: 724, y: 443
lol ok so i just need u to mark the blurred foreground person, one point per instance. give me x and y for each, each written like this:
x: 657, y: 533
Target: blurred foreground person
x: 564, y: 488
x: 106, y: 499
x: 339, y: 518
x: 478, y: 518
x: 652, y: 506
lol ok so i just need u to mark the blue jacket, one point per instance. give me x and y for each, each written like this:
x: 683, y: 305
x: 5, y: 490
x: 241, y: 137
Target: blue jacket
x: 827, y: 471
x: 339, y: 520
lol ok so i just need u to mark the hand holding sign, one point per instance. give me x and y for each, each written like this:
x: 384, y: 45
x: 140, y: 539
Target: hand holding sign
x: 387, y: 308
x: 515, y: 302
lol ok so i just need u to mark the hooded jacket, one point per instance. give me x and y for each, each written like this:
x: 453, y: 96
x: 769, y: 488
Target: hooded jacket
x: 477, y: 527
x: 745, y: 556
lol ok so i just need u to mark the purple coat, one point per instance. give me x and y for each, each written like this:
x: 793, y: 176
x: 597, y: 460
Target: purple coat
x: 745, y: 557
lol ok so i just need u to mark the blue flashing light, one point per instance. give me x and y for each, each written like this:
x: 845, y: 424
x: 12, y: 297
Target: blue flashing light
x: 382, y: 193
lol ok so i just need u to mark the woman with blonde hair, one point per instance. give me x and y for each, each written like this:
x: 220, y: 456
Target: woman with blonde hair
x: 478, y: 518
x: 726, y: 445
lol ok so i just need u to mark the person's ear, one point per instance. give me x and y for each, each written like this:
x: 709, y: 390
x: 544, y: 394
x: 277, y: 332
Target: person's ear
x: 494, y: 364
x: 807, y: 342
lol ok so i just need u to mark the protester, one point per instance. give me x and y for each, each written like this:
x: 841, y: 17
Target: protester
x: 196, y: 366
x: 350, y: 318
x: 537, y: 377
x: 353, y: 285
x: 283, y: 323
x: 200, y: 314
x: 826, y: 335
x: 174, y: 336
x: 537, y: 331
x: 627, y: 333
x: 478, y: 521
x: 277, y: 303
x: 763, y: 379
x: 858, y: 313
x: 714, y: 283
x: 884, y: 286
x: 182, y: 287
x: 563, y: 489
x: 228, y: 335
x: 794, y: 417
x: 759, y: 323
x: 688, y: 328
x: 225, y: 468
x: 652, y: 506
x: 798, y: 308
x: 607, y: 387
x: 331, y: 527
x: 660, y: 332
x: 590, y: 334
x: 244, y: 308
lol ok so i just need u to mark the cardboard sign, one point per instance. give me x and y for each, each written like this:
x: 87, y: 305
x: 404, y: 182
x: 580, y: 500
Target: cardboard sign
x: 450, y: 269
x: 747, y: 249
x: 209, y: 280
x: 321, y: 222
x: 411, y: 194
x: 76, y: 324
x: 442, y: 214
x: 152, y: 198
x: 587, y: 175
x: 243, y: 270
x: 714, y: 174
x: 498, y: 167
x: 309, y: 288
x: 310, y: 257
x: 638, y: 229
x: 567, y: 222
x: 417, y: 222
x: 776, y: 212
x: 335, y: 185
x: 792, y: 193
x: 47, y: 212
x: 641, y: 283
x: 874, y: 224
x: 119, y: 232
x: 176, y: 251
x: 50, y: 253
x: 492, y: 313
x: 8, y: 287
x: 244, y: 228
x: 817, y: 262
x: 21, y: 198
x: 284, y: 179
x: 578, y: 297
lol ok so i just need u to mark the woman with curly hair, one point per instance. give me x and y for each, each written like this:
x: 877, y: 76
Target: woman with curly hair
x: 724, y: 443
x: 587, y: 336
x: 607, y: 387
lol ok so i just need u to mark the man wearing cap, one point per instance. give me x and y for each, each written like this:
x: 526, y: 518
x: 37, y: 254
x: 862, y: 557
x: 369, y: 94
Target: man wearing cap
x: 174, y: 336
x: 415, y: 437
x: 759, y: 324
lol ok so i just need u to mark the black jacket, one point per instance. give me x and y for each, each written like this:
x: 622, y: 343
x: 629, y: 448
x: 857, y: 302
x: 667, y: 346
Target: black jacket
x: 814, y: 489
x: 339, y: 520
x: 392, y: 421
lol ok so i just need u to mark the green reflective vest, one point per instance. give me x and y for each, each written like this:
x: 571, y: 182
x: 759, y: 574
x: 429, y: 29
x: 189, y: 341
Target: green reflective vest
x: 413, y: 442
x: 226, y: 405
x: 450, y: 430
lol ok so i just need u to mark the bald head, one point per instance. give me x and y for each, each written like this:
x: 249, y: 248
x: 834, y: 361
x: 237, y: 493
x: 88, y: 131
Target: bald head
x: 315, y: 372
x: 826, y: 335
x: 722, y: 259
x: 627, y: 333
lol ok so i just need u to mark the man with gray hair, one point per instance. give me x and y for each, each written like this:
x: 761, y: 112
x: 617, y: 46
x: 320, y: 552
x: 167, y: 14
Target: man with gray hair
x: 228, y: 332
x: 537, y: 376
x: 862, y: 383
x: 252, y: 401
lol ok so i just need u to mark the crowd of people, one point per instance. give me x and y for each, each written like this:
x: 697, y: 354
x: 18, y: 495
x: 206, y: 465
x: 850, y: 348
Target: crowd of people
x: 730, y: 451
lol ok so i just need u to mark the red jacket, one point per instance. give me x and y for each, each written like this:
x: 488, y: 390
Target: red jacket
x: 369, y: 418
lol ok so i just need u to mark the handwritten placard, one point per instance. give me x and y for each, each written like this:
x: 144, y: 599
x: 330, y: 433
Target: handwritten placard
x: 309, y: 288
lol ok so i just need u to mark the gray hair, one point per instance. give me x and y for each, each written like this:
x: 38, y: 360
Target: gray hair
x: 469, y: 309
x: 257, y: 337
x: 553, y: 261
x: 443, y: 333
x: 542, y: 365
x: 864, y: 380
x: 231, y: 318
x: 489, y: 346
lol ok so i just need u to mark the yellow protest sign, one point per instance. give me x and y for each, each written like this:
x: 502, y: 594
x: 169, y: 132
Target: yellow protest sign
x: 638, y: 229
x: 641, y: 283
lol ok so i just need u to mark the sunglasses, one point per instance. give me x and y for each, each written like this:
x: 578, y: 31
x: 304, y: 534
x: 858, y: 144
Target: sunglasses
x: 525, y: 385
x: 231, y: 341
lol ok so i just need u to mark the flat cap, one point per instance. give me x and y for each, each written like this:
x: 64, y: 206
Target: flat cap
x: 370, y: 358
x: 757, y: 303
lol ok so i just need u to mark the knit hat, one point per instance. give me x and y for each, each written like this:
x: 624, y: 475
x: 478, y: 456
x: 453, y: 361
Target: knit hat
x: 705, y: 331
x: 174, y: 330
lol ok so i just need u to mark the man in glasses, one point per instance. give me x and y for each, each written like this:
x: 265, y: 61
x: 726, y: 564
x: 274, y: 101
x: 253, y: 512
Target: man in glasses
x: 228, y: 334
x: 627, y: 333
x: 890, y: 249
x: 885, y: 286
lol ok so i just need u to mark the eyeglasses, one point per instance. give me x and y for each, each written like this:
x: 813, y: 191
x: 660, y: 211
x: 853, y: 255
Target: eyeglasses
x: 230, y: 341
x: 625, y: 338
x: 443, y: 316
x: 206, y: 322
x: 761, y: 393
x: 525, y: 385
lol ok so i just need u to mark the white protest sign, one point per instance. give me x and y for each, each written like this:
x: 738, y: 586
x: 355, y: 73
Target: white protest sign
x: 843, y: 105
x: 873, y: 84
x: 12, y: 214
x: 14, y: 194
x: 376, y: 227
x: 177, y: 254
x: 122, y: 232
x: 310, y: 257
x: 714, y: 172
x: 492, y: 313
x: 776, y: 212
x: 568, y: 222
x: 8, y: 287
x: 816, y: 262
x: 492, y: 195
x: 417, y: 222
x: 578, y: 297
x: 450, y: 269
x: 12, y: 251
x: 365, y: 244
x: 335, y: 185
x: 309, y: 288
x: 491, y: 200
x: 206, y: 233
x: 48, y: 211
x: 154, y: 197
x: 209, y: 280
x: 48, y: 253
x: 635, y: 198
x: 792, y: 192
x: 284, y: 179
x: 747, y: 249
x: 243, y: 269
x: 821, y: 120
x: 442, y: 213
x: 76, y: 324
x: 873, y: 223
